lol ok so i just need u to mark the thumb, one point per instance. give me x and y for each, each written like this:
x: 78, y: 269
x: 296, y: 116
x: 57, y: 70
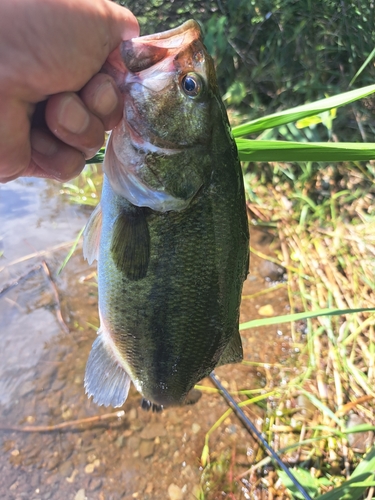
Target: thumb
x: 122, y: 24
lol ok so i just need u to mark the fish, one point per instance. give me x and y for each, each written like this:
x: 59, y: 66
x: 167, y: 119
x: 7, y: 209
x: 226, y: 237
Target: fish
x: 170, y: 233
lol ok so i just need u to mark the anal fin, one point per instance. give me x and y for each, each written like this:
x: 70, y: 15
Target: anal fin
x: 130, y: 246
x: 105, y: 379
x: 233, y: 352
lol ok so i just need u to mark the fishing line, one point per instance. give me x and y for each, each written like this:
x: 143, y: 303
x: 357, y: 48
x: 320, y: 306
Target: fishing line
x: 253, y: 430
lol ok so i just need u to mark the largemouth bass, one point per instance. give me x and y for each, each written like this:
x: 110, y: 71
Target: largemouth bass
x: 170, y: 233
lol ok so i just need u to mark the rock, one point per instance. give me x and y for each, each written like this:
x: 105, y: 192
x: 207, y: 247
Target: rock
x: 266, y: 310
x: 26, y: 388
x: 195, y: 428
x: 132, y: 414
x: 358, y: 441
x: 57, y: 385
x: 175, y: 492
x: 80, y: 495
x: 95, y: 483
x: 66, y: 468
x: 133, y: 443
x: 271, y: 271
x: 153, y: 430
x: 193, y: 397
x: 119, y: 442
x: 53, y: 462
x: 89, y: 469
x: 149, y: 488
x: 146, y: 449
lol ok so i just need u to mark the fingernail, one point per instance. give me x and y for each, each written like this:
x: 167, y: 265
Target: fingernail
x: 42, y: 143
x: 73, y: 116
x: 106, y: 99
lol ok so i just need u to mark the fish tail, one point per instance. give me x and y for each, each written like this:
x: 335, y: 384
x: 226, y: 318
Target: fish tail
x: 105, y: 379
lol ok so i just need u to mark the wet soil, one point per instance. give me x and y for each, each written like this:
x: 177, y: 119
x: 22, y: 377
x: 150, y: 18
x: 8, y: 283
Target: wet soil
x: 42, y: 361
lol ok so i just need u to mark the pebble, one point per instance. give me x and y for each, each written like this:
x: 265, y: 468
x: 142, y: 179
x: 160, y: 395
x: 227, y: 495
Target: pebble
x: 133, y: 443
x: 13, y: 486
x: 26, y: 388
x: 146, y: 449
x: 149, y: 488
x: 154, y: 430
x: 89, y: 469
x: 119, y: 442
x: 50, y: 480
x: 195, y: 428
x: 271, y: 271
x: 57, y: 385
x: 266, y: 310
x: 52, y: 463
x: 132, y: 414
x: 175, y: 492
x: 95, y: 483
x: 80, y: 495
x: 359, y: 441
x: 66, y: 468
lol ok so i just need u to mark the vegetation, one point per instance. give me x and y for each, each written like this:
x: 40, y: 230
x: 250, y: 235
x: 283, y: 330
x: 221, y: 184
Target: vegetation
x: 272, y: 56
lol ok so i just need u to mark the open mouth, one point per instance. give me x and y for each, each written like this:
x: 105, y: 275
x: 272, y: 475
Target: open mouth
x: 141, y: 53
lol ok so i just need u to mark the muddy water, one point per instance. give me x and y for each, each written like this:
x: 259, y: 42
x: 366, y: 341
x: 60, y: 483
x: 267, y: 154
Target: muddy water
x: 47, y: 326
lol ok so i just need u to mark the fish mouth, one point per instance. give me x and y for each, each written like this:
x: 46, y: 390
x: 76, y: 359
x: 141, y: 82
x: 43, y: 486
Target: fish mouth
x: 143, y: 52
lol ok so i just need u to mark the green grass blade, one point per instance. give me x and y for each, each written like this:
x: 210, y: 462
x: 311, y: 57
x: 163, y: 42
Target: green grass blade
x: 309, y: 483
x: 300, y: 316
x: 350, y: 490
x: 302, y: 151
x: 71, y: 251
x: 98, y: 158
x: 322, y: 407
x: 368, y: 59
x: 299, y: 112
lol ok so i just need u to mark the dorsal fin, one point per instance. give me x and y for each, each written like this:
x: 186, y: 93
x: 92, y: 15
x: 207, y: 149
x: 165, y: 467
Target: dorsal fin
x: 130, y: 246
x: 91, y: 235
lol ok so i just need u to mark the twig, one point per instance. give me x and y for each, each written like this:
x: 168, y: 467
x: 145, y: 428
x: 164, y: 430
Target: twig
x: 41, y: 253
x: 63, y: 425
x: 350, y: 406
x: 60, y: 318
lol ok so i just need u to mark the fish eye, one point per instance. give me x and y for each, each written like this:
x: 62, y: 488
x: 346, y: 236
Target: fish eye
x: 191, y: 84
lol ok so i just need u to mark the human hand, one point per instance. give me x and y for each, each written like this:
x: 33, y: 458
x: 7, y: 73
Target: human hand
x: 54, y: 105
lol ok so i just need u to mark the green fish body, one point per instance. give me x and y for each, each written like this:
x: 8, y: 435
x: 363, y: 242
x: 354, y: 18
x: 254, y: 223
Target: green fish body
x: 170, y: 233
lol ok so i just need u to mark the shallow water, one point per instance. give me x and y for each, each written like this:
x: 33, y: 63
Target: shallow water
x: 42, y: 362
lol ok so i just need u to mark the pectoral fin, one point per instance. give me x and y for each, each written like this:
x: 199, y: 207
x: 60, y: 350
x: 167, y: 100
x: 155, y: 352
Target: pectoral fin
x: 91, y: 235
x: 233, y: 352
x: 105, y: 379
x: 130, y: 246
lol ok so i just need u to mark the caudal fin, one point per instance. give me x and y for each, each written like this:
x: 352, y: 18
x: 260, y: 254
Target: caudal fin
x: 105, y: 379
